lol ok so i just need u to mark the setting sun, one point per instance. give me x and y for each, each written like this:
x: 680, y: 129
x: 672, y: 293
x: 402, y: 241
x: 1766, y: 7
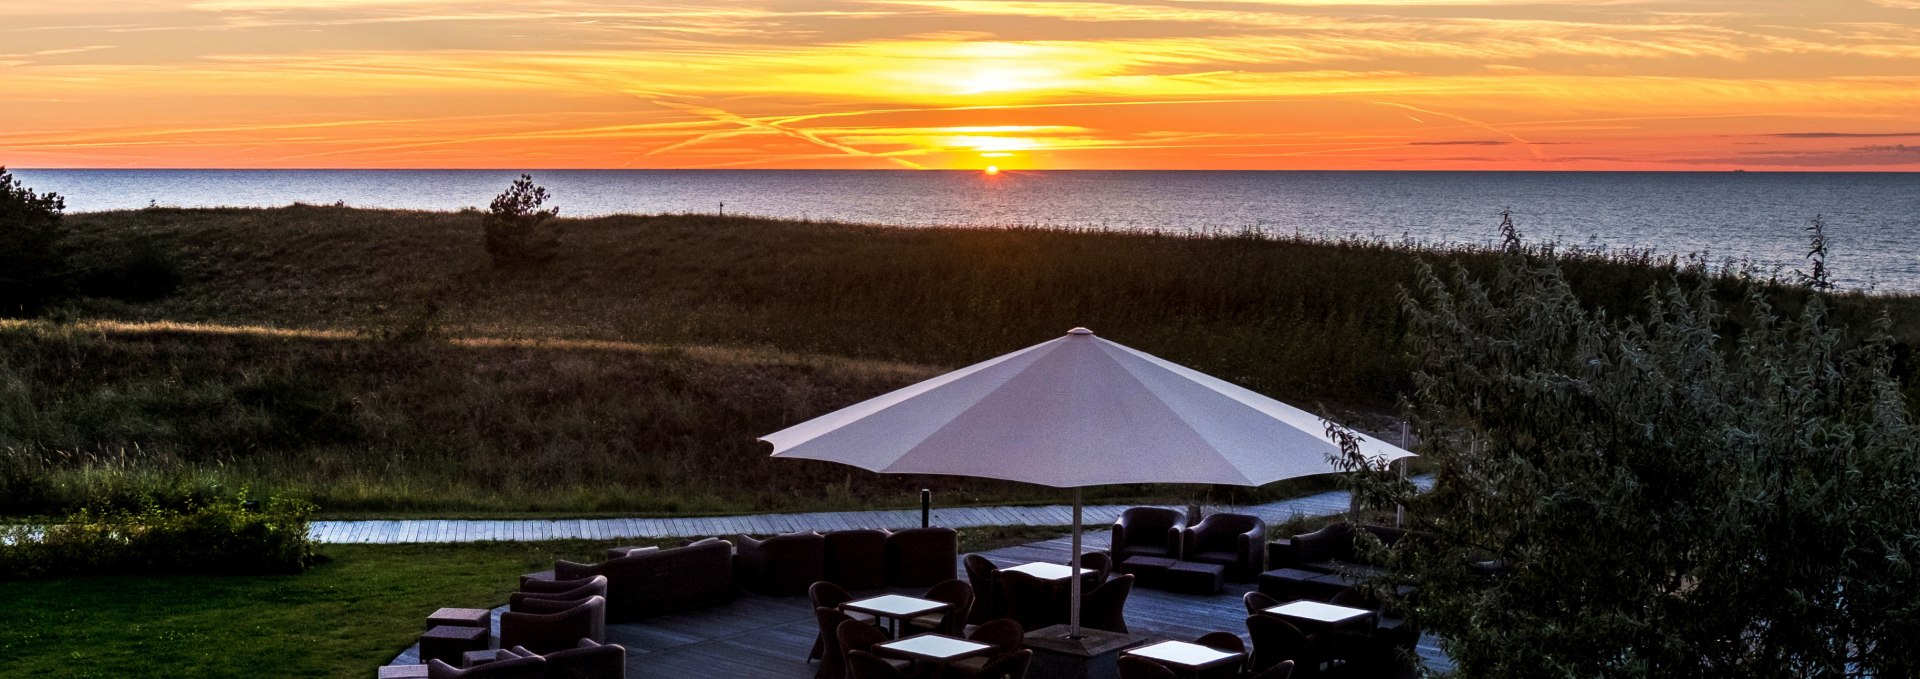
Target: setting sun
x: 993, y: 169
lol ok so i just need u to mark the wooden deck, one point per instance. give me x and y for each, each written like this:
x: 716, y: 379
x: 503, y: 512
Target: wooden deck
x: 759, y: 636
x: 393, y: 532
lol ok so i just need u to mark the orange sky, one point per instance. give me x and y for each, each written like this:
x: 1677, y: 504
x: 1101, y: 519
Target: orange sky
x: 1150, y: 84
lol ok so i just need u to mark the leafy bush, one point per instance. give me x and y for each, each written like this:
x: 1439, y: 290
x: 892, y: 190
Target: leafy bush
x: 131, y: 269
x: 517, y: 229
x: 33, y: 248
x: 1648, y: 497
x: 215, y: 538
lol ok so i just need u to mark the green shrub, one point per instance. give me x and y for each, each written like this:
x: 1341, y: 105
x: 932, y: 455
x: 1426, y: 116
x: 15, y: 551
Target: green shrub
x: 33, y: 248
x: 131, y: 269
x: 516, y: 227
x: 224, y: 537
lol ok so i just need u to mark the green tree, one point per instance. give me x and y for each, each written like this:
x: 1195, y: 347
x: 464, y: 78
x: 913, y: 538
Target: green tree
x: 517, y: 229
x: 34, y: 266
x: 1690, y: 492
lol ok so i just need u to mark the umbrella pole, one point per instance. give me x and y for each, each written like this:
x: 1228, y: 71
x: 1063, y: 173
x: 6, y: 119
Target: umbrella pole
x: 1073, y: 582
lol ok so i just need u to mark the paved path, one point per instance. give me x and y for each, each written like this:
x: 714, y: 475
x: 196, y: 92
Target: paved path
x: 391, y: 532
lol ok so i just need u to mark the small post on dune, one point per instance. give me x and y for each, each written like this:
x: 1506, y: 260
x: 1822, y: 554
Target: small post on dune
x: 926, y: 506
x: 1073, y: 568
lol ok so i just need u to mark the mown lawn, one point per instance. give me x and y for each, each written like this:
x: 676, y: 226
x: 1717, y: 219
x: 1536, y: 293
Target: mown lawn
x: 341, y: 619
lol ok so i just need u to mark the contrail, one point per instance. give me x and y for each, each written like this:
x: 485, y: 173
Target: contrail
x: 1531, y: 148
x: 776, y: 127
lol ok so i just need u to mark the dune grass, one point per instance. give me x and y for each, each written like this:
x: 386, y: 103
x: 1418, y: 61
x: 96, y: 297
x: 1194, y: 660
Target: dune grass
x: 375, y: 362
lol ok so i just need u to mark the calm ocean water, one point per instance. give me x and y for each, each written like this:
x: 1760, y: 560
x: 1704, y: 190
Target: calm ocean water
x: 1873, y: 219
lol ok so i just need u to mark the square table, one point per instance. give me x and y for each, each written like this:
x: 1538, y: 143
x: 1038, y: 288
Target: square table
x: 1319, y: 614
x: 935, y: 648
x: 896, y: 607
x: 1184, y: 657
x: 1050, y: 572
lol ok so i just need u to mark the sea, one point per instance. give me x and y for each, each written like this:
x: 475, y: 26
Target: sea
x: 1755, y: 219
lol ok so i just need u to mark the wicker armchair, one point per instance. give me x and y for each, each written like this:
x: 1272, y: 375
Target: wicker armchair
x: 1136, y: 667
x: 589, y: 659
x: 782, y: 565
x: 833, y: 662
x: 952, y: 621
x: 556, y: 630
x: 1223, y: 641
x: 1276, y: 640
x: 1105, y: 608
x: 509, y: 666
x: 857, y: 559
x: 1237, y: 541
x: 988, y: 601
x: 857, y: 638
x: 1147, y: 531
x: 1009, y: 666
x: 662, y: 581
x: 922, y: 557
x: 558, y: 590
x: 1032, y: 602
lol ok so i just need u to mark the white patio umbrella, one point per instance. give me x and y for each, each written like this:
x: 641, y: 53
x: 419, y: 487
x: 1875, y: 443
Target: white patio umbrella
x: 1073, y: 412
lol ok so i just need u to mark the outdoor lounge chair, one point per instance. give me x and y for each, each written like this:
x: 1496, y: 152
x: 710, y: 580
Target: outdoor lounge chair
x: 1032, y: 602
x: 1136, y: 667
x: 859, y: 637
x: 857, y: 559
x: 1236, y: 541
x: 826, y: 647
x: 1100, y: 563
x: 1147, y: 531
x: 1003, y: 634
x: 1105, y: 608
x: 558, y: 590
x: 589, y: 660
x: 922, y: 557
x: 1258, y: 601
x: 1276, y: 640
x: 1223, y: 641
x: 988, y: 601
x: 1284, y: 670
x: 952, y: 621
x: 509, y: 666
x: 559, y: 630
x: 782, y: 565
x: 828, y: 595
x: 864, y: 665
x: 661, y: 581
x: 1008, y: 666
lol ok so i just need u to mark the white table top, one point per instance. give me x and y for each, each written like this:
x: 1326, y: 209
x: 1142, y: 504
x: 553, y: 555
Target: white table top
x: 1183, y: 654
x: 936, y: 647
x: 1047, y: 571
x: 1318, y: 612
x: 896, y: 606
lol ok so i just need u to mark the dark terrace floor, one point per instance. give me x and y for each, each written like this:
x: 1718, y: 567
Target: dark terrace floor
x: 760, y: 636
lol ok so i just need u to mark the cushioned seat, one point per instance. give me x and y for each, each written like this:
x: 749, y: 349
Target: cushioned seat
x: 922, y: 557
x: 650, y: 583
x: 782, y: 565
x: 1236, y: 541
x: 1147, y: 531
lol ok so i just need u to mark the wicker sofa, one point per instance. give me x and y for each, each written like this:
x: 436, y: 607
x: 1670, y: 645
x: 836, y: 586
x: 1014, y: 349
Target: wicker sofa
x: 648, y: 583
x: 1331, y: 549
x: 782, y: 565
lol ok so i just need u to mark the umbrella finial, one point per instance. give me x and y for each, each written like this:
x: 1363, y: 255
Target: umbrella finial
x: 1079, y: 331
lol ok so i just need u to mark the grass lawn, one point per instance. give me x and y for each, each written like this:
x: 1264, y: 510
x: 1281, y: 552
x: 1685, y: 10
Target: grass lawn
x: 341, y: 619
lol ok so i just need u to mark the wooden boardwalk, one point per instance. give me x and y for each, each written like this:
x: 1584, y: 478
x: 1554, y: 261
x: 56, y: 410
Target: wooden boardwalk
x: 760, y: 636
x: 394, y: 532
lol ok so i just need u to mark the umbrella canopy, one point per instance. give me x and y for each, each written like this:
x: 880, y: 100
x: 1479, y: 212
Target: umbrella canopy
x: 1075, y: 411
x: 1072, y: 412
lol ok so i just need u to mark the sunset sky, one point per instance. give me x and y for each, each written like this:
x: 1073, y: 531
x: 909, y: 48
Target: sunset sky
x: 941, y: 84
